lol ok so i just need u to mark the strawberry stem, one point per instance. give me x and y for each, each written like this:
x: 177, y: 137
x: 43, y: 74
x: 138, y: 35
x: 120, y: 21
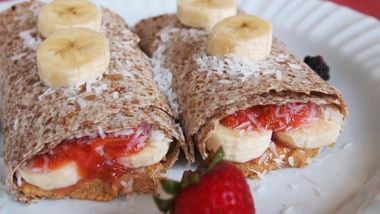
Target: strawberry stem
x: 162, y: 204
x: 216, y: 158
x: 170, y: 186
x: 189, y: 178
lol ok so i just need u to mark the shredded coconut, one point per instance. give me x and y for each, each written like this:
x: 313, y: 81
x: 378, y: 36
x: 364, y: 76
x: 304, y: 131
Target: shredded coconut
x: 123, y: 133
x: 281, y: 58
x: 163, y: 78
x: 263, y: 157
x: 252, y: 118
x: 109, y: 162
x: 259, y: 174
x: 100, y: 150
x: 18, y: 56
x: 88, y: 87
x: 291, y: 161
x: 224, y: 81
x: 278, y: 75
x: 278, y: 162
x: 268, y: 72
x: 18, y: 81
x: 242, y: 126
x: 99, y: 89
x: 15, y: 124
x: 48, y: 92
x: 29, y: 40
x: 123, y: 183
x: 295, y: 66
x: 139, y: 137
x: 227, y: 65
x: 81, y: 102
x: 37, y: 84
x: 154, y: 172
x: 101, y: 132
x: 115, y: 95
x: 127, y: 185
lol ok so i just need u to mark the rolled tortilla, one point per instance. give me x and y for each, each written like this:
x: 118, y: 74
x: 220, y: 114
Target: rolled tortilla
x: 210, y: 88
x: 37, y: 119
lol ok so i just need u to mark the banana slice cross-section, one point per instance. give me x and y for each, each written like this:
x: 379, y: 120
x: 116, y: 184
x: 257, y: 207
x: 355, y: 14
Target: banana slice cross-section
x: 63, y: 14
x: 204, y: 13
x: 152, y: 153
x: 72, y: 57
x: 243, y: 35
x: 64, y: 176
x: 318, y: 133
x: 238, y: 146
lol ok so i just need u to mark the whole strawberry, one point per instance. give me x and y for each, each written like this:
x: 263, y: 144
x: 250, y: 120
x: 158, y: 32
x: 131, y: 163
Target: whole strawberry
x: 215, y: 187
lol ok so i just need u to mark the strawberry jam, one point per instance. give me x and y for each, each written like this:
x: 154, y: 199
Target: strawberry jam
x: 97, y: 157
x: 273, y: 117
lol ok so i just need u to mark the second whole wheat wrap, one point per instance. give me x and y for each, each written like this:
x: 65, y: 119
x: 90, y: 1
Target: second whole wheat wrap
x: 208, y: 88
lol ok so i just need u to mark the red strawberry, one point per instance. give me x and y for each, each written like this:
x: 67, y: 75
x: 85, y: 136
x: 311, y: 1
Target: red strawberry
x: 216, y: 187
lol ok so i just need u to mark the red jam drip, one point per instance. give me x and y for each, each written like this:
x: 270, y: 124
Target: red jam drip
x: 273, y: 117
x: 95, y: 158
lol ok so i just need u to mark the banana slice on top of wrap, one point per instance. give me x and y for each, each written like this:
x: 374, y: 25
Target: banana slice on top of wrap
x: 63, y: 14
x: 204, y: 13
x: 73, y: 57
x: 243, y: 35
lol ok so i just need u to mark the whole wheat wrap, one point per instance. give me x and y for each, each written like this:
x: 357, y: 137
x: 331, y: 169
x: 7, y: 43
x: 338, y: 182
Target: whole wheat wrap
x: 36, y: 118
x: 210, y: 88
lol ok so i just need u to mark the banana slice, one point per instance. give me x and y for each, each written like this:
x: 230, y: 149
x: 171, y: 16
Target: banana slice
x: 239, y: 146
x: 63, y: 14
x: 152, y: 153
x: 65, y: 176
x: 244, y: 35
x: 204, y: 13
x: 72, y: 57
x: 316, y: 134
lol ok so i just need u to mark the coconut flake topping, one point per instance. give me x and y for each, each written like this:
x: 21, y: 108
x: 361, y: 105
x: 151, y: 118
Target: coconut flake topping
x: 163, y: 76
x: 28, y: 40
x: 228, y: 65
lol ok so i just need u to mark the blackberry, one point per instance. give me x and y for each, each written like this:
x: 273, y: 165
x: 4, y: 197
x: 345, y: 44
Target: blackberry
x: 319, y: 66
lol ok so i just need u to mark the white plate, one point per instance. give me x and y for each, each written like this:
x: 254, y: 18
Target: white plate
x: 350, y: 42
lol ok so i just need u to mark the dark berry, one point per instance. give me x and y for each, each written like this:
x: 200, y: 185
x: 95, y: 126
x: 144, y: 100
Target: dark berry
x: 319, y: 66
